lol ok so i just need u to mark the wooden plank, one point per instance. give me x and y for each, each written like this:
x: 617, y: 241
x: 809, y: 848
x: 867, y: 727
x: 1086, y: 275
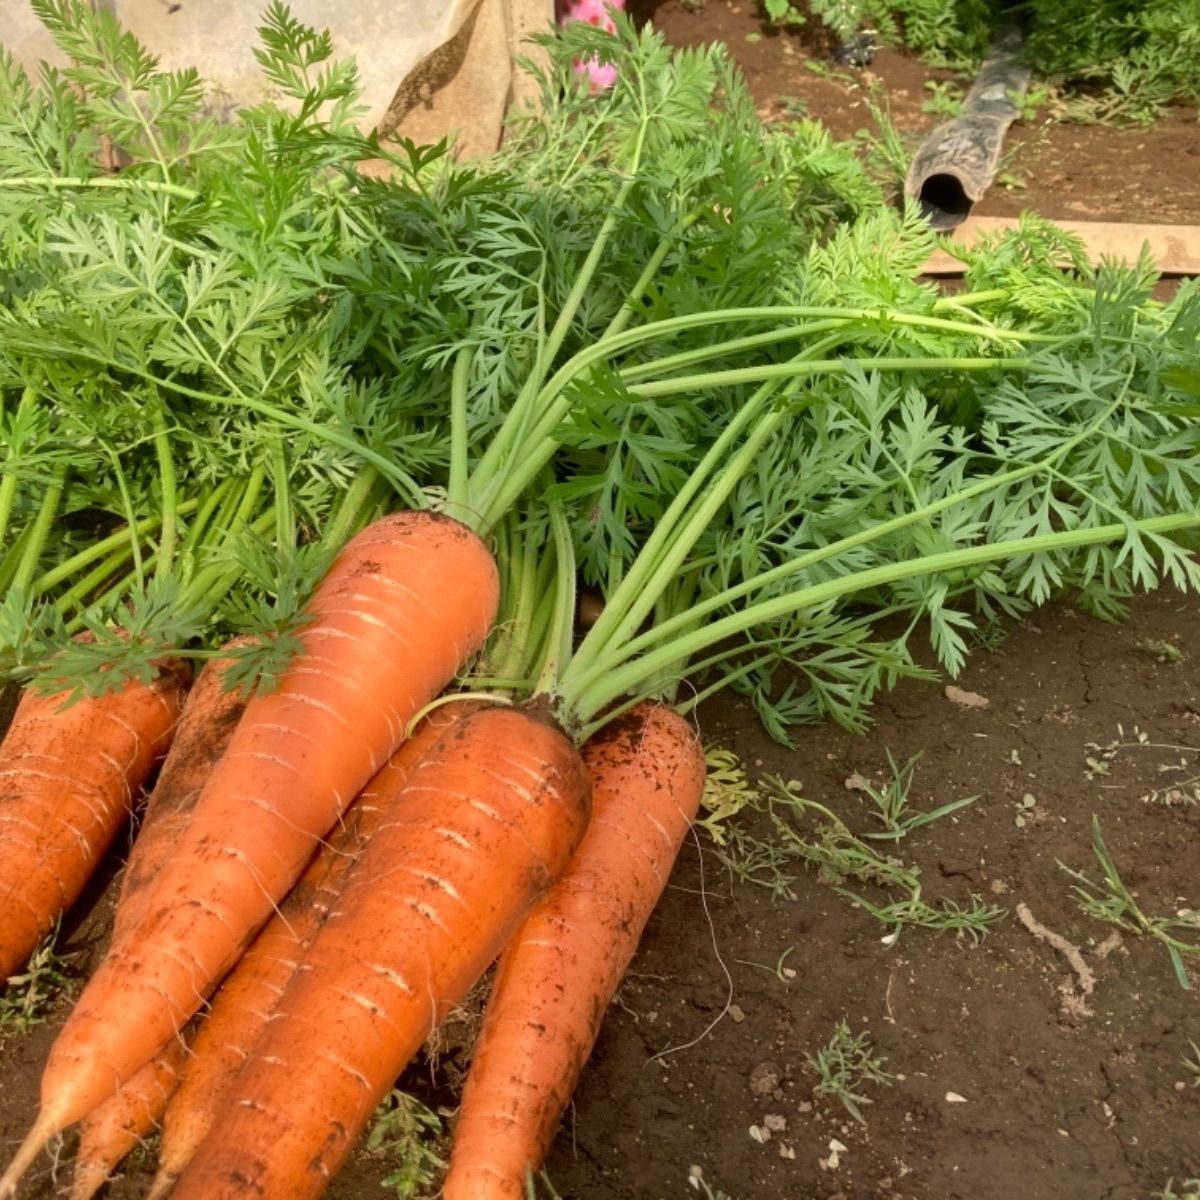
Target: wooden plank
x: 1175, y: 248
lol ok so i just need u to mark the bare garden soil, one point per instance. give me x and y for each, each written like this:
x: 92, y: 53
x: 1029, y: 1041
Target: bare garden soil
x: 1003, y: 1088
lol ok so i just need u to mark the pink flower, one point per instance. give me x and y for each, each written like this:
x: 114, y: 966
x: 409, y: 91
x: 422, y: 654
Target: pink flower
x: 600, y: 76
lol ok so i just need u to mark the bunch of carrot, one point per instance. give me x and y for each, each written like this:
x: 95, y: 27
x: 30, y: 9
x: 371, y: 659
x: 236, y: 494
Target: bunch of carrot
x: 308, y: 863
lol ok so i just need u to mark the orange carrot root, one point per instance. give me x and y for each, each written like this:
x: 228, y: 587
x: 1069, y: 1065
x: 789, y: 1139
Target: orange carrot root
x: 486, y: 819
x: 246, y: 999
x: 110, y: 1132
x: 405, y: 604
x: 67, y: 779
x: 209, y: 717
x: 564, y: 964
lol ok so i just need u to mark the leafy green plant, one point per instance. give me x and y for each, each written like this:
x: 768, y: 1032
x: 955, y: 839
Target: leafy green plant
x: 782, y: 12
x: 410, y: 1137
x: 1121, y: 60
x: 1111, y: 901
x: 945, y: 99
x: 30, y: 997
x: 844, y: 1066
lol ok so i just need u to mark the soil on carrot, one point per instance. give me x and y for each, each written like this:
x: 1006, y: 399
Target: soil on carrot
x: 1009, y: 1077
x: 1057, y: 169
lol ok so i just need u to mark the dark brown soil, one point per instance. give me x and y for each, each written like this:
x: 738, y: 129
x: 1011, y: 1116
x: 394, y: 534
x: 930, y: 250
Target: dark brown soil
x: 1084, y: 172
x: 712, y: 1028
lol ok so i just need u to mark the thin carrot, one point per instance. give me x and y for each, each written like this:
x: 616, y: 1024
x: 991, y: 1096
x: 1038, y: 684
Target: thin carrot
x: 246, y: 999
x: 67, y: 779
x: 487, y: 818
x: 210, y: 715
x: 564, y: 964
x: 406, y: 603
x: 111, y: 1130
x: 108, y: 1133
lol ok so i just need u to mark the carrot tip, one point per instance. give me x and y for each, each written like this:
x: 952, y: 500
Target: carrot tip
x: 163, y: 1182
x: 88, y: 1180
x: 44, y: 1128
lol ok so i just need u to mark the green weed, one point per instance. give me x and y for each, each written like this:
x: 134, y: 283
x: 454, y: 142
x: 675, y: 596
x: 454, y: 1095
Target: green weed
x: 892, y: 801
x: 407, y: 1134
x: 1112, y: 902
x: 1191, y: 1063
x: 945, y: 99
x: 844, y: 1066
x: 30, y: 997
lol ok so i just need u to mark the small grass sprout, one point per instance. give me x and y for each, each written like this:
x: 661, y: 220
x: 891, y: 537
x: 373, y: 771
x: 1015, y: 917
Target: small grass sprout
x: 1111, y: 901
x: 407, y: 1134
x: 892, y: 800
x: 1191, y: 1190
x: 1191, y: 1063
x: 30, y: 997
x: 1183, y: 789
x: 702, y: 1187
x: 844, y: 1066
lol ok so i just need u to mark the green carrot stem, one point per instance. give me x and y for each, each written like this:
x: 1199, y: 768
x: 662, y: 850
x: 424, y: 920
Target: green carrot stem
x: 558, y: 642
x: 199, y: 526
x: 23, y: 576
x: 456, y: 489
x: 794, y: 566
x: 114, y: 182
x: 97, y: 550
x: 8, y: 485
x: 484, y: 478
x: 623, y: 677
x: 81, y: 593
x: 285, y: 529
x: 170, y: 501
x: 13, y: 556
x: 357, y: 501
x: 628, y: 309
x: 786, y: 370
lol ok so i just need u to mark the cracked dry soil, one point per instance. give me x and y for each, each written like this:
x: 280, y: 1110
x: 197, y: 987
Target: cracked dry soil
x: 1054, y: 1103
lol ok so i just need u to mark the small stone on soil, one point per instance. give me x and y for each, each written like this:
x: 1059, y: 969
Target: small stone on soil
x: 764, y: 1079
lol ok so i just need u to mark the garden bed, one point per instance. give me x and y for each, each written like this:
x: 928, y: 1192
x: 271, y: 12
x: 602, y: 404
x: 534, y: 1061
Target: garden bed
x: 1058, y: 169
x: 1055, y: 1102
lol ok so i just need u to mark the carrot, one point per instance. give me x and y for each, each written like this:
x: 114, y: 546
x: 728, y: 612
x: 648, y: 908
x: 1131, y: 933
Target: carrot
x: 111, y: 1130
x: 405, y: 604
x: 486, y: 819
x: 209, y: 717
x: 67, y: 779
x: 245, y: 1001
x: 563, y: 966
x: 108, y: 1133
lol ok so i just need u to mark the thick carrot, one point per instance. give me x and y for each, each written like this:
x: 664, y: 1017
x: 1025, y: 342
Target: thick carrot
x: 67, y: 780
x: 487, y: 818
x: 111, y: 1130
x: 108, y: 1133
x: 407, y: 602
x: 562, y: 968
x: 246, y: 999
x: 210, y: 715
